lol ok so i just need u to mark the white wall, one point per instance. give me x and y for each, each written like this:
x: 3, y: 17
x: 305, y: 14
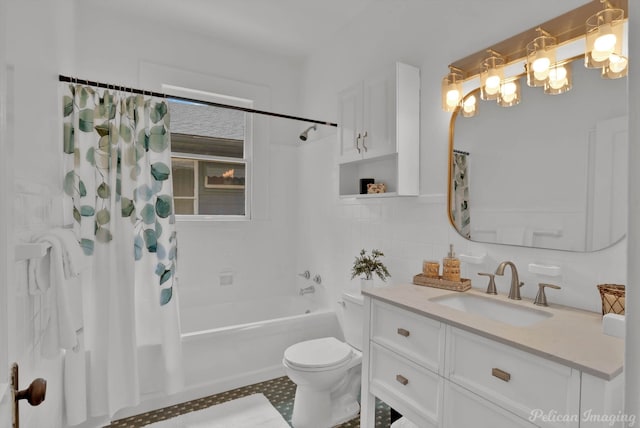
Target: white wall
x: 409, y: 230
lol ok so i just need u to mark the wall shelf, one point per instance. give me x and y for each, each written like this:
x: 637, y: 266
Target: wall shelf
x: 548, y: 270
x: 474, y: 260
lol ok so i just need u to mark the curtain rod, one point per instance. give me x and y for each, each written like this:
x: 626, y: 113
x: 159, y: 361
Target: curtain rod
x: 193, y: 100
x: 461, y: 152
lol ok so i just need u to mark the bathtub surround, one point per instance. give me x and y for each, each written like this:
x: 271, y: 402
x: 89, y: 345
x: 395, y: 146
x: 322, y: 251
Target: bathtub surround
x: 119, y: 199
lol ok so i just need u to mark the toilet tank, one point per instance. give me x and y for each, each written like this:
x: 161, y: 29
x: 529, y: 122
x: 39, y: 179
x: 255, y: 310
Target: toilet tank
x: 353, y: 319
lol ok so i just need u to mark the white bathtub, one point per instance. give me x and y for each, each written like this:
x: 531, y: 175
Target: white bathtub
x: 228, y: 345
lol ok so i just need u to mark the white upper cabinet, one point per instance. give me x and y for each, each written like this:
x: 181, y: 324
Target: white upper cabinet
x: 379, y: 122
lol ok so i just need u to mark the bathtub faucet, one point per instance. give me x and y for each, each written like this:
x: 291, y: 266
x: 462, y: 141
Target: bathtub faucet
x: 309, y: 289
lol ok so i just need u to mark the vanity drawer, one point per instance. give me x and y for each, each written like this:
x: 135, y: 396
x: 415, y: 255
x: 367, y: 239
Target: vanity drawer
x: 513, y: 379
x: 466, y: 409
x: 407, y: 387
x: 418, y: 338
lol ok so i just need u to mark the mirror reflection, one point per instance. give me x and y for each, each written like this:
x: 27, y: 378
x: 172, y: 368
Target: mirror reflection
x: 550, y: 172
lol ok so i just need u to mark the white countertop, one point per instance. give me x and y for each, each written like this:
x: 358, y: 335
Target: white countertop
x: 572, y: 337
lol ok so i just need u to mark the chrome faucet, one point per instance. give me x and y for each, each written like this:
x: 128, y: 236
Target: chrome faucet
x: 514, y: 291
x: 309, y: 289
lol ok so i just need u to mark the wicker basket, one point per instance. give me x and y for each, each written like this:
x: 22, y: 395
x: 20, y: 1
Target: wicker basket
x: 612, y: 296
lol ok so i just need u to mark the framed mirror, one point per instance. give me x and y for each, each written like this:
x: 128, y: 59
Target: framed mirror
x: 550, y: 172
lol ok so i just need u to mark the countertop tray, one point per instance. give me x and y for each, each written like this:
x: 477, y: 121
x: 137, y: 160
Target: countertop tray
x: 463, y: 285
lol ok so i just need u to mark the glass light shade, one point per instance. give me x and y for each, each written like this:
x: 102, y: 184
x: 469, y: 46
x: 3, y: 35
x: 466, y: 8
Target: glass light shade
x: 541, y: 54
x: 491, y: 75
x: 604, y: 37
x: 470, y: 106
x: 559, y: 80
x: 618, y: 67
x: 451, y: 91
x: 509, y: 93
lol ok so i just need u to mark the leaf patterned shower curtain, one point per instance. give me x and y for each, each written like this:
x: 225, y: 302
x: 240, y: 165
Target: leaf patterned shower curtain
x: 460, y: 198
x: 119, y: 192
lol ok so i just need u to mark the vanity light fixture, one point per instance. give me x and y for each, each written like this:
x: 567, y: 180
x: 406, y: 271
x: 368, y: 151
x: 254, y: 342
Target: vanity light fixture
x: 604, y: 42
x: 509, y: 93
x: 537, y: 47
x: 491, y: 76
x: 541, y: 56
x: 452, y: 89
x: 559, y: 80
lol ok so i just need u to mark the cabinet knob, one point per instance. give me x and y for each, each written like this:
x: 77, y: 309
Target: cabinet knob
x: 358, y: 143
x: 365, y: 135
x: 501, y: 374
x: 401, y: 379
x: 403, y: 332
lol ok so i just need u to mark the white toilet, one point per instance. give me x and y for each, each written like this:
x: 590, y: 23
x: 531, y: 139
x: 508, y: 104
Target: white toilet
x: 327, y: 372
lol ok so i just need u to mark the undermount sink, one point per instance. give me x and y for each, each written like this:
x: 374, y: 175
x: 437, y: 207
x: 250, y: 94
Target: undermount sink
x: 497, y: 310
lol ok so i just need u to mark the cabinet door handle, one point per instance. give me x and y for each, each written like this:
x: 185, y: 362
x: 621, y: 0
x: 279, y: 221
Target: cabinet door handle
x: 403, y: 332
x: 401, y: 379
x: 358, y: 143
x: 501, y: 374
x: 365, y: 135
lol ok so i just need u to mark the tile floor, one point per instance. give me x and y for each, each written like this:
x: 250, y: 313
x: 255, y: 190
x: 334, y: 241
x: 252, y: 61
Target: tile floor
x: 280, y: 392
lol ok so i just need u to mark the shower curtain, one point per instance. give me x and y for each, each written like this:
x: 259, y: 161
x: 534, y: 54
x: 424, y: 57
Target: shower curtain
x: 119, y: 197
x: 460, y: 197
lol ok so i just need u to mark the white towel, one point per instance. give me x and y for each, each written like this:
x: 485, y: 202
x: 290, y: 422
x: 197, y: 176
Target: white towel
x: 64, y: 297
x: 73, y: 259
x: 57, y: 276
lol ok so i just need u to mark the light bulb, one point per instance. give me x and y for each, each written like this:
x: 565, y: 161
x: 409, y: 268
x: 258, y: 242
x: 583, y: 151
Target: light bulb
x: 453, y: 97
x: 469, y: 104
x: 557, y: 73
x: 508, y: 92
x: 557, y: 84
x: 492, y: 85
x: 617, y: 63
x: 605, y: 43
x: 541, y: 65
x: 541, y: 75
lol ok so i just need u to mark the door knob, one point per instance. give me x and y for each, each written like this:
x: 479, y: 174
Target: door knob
x: 34, y: 394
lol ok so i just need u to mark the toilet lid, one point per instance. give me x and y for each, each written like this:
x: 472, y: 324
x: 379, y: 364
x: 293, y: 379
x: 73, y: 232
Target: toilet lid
x: 318, y: 353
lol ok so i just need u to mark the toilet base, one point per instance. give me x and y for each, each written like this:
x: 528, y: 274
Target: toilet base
x: 318, y: 409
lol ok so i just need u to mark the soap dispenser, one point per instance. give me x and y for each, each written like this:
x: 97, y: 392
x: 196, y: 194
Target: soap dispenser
x: 451, y: 266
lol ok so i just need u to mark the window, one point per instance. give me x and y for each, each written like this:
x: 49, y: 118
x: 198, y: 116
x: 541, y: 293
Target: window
x: 210, y: 161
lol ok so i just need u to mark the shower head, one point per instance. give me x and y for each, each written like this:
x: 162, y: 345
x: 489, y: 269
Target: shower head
x: 304, y: 134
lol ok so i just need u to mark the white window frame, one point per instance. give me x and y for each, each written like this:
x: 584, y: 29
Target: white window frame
x: 247, y: 160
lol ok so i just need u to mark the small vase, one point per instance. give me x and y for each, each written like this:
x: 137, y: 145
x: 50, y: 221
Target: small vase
x: 366, y: 284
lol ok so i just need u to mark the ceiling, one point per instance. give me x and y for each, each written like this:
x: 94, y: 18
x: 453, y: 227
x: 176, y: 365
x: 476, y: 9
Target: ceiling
x: 294, y: 28
x: 285, y: 27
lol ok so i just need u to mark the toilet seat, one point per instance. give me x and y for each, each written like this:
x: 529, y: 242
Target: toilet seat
x: 318, y: 354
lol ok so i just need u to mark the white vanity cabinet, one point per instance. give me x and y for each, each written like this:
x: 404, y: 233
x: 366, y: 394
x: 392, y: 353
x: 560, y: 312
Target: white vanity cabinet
x: 514, y: 380
x: 406, y: 354
x: 379, y: 131
x: 439, y: 375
